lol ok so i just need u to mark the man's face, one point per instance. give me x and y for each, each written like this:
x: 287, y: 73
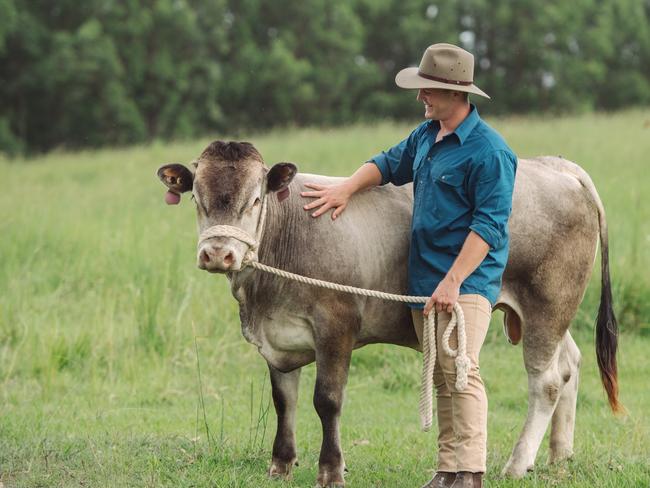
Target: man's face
x: 438, y: 104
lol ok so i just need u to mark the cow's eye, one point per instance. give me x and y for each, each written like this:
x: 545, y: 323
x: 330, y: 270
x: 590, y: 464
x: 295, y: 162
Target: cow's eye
x: 257, y: 201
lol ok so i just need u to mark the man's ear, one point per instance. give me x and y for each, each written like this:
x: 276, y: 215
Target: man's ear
x: 280, y: 175
x: 178, y: 179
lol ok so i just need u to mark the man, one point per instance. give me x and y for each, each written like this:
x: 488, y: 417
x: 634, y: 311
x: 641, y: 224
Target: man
x: 463, y: 176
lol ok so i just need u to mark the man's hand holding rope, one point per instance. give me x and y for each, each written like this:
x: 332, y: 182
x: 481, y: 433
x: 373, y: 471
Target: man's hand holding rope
x: 444, y: 297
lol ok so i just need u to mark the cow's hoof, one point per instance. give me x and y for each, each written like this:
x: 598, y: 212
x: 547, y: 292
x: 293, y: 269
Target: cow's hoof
x: 330, y: 479
x: 515, y: 470
x: 559, y: 455
x: 282, y: 469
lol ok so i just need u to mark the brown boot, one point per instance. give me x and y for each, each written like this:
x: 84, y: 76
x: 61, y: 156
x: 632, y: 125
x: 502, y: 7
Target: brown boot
x: 465, y: 479
x: 442, y: 479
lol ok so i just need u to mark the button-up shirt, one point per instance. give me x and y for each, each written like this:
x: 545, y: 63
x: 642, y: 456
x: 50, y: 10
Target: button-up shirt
x: 462, y: 182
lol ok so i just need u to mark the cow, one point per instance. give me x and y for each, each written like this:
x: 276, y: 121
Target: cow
x: 556, y: 223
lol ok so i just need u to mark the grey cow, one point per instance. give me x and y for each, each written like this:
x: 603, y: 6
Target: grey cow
x: 556, y: 223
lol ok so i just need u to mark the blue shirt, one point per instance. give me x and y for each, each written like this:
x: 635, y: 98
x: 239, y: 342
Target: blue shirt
x: 463, y: 182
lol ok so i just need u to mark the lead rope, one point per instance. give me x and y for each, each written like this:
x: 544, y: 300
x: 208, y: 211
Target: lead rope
x: 429, y: 328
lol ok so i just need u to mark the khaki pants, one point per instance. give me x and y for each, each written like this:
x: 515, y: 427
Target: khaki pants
x: 462, y: 415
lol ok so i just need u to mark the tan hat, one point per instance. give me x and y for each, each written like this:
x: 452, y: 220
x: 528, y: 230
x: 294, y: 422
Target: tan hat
x: 443, y: 66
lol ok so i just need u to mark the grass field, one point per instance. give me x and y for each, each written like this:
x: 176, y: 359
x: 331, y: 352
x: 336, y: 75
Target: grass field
x: 105, y: 320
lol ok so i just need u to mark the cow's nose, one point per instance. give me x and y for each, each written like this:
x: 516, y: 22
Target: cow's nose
x: 204, y: 259
x: 216, y: 259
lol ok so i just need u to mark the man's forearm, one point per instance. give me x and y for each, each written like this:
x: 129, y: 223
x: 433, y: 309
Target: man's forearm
x: 471, y: 255
x: 368, y: 175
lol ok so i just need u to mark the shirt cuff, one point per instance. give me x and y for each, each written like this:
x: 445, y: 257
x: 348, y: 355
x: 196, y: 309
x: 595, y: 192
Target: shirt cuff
x: 380, y: 161
x: 488, y: 234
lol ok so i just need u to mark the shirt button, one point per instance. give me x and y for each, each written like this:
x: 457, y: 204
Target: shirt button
x: 444, y: 177
x: 429, y: 158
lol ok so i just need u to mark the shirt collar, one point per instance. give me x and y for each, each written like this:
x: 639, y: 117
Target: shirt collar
x: 465, y: 128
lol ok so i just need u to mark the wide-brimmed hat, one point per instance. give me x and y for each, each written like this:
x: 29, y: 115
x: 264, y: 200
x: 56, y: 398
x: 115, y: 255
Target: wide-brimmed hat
x: 443, y: 66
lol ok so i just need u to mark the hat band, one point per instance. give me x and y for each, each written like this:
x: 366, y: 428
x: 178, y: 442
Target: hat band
x: 444, y: 80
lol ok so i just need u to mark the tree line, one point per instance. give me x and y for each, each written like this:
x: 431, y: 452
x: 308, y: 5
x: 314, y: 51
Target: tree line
x: 114, y: 72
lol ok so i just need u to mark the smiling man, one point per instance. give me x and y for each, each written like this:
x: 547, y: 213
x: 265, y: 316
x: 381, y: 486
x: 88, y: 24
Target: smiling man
x: 463, y: 176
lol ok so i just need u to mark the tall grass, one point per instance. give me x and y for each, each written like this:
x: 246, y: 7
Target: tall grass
x: 105, y: 322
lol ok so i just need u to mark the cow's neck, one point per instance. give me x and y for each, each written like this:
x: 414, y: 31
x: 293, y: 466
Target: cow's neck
x: 275, y: 248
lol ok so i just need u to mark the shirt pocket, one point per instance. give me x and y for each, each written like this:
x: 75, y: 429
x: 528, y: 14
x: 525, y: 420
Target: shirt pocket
x: 449, y: 195
x: 453, y: 178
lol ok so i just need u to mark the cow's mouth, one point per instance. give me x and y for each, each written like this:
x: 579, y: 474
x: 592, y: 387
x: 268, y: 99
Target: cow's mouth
x: 215, y: 271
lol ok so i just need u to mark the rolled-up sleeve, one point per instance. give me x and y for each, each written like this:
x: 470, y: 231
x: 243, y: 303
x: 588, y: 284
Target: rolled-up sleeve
x: 491, y: 184
x: 396, y: 163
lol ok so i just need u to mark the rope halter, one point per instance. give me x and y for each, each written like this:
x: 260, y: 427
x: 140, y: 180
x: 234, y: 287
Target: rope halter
x: 235, y: 233
x: 241, y: 235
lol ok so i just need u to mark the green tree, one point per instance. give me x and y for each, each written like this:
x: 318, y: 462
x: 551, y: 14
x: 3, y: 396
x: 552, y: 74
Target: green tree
x: 104, y: 72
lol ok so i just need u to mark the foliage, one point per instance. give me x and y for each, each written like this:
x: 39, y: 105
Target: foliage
x: 111, y: 72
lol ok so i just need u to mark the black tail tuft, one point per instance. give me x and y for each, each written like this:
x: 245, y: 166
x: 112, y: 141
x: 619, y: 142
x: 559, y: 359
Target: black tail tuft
x: 607, y: 337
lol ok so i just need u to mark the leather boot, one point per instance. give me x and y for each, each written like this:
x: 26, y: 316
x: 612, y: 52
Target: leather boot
x: 465, y: 479
x: 442, y: 479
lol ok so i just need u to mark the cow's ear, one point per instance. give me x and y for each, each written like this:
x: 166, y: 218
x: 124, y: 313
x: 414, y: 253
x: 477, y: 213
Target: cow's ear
x: 178, y: 179
x: 280, y: 175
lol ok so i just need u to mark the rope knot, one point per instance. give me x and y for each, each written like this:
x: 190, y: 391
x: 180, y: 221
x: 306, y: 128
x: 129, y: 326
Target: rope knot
x: 462, y: 369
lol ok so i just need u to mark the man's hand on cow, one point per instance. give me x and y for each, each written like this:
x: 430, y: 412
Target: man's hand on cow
x: 443, y: 298
x: 327, y: 196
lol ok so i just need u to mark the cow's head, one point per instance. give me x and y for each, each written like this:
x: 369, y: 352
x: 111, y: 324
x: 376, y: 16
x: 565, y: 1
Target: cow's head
x: 228, y: 182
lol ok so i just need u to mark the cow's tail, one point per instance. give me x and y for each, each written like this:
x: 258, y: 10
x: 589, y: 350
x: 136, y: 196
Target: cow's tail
x: 606, y: 325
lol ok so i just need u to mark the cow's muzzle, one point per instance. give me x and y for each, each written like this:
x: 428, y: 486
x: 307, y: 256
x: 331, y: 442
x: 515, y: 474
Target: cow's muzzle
x: 215, y: 259
x: 223, y: 248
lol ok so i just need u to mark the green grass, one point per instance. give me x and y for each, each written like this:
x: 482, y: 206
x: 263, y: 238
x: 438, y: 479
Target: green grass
x: 103, y: 316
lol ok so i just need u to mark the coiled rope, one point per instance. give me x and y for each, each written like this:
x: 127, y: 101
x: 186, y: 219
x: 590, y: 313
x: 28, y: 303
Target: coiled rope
x: 428, y: 335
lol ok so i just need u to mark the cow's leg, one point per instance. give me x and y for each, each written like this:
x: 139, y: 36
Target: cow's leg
x: 332, y: 364
x: 285, y: 396
x: 563, y: 420
x: 544, y: 386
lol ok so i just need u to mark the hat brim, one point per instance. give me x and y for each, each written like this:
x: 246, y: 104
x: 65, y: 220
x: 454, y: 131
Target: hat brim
x: 409, y: 79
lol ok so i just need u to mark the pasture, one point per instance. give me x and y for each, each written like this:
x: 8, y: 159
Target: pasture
x: 122, y: 364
